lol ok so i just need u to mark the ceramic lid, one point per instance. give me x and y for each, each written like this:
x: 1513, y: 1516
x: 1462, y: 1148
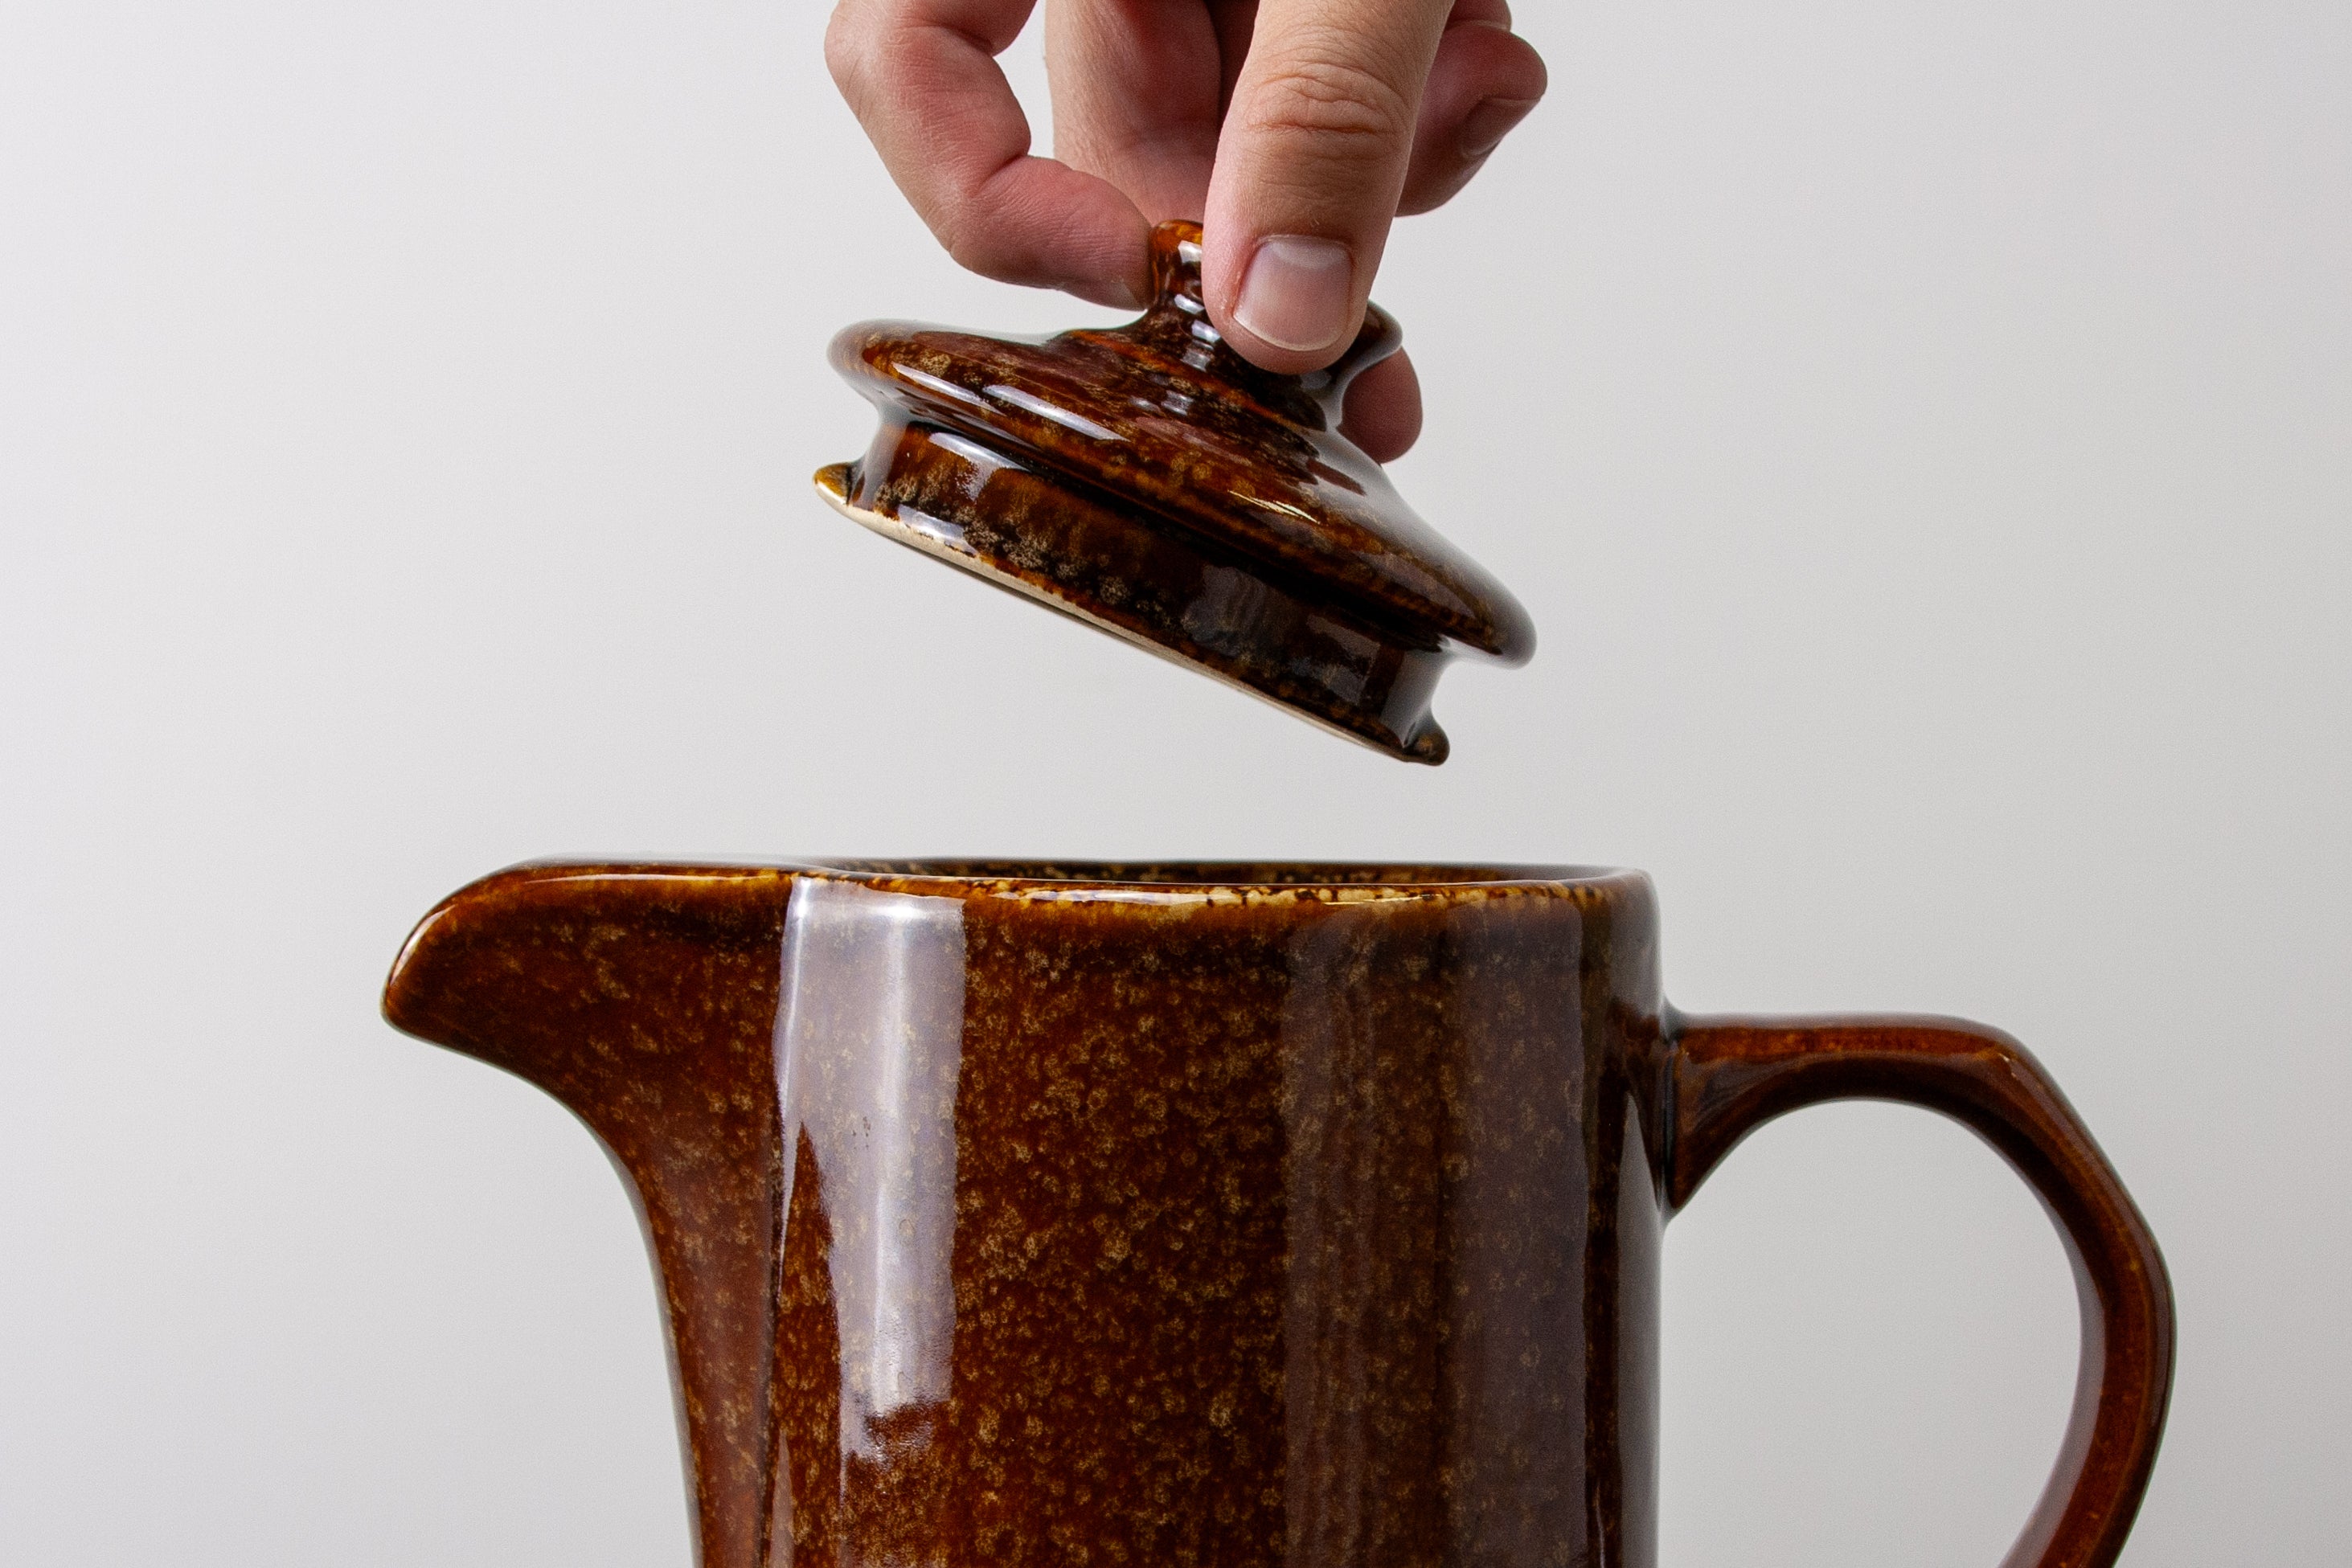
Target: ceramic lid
x: 1150, y: 480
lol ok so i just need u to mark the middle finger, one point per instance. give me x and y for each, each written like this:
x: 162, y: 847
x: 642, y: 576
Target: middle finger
x: 1138, y: 92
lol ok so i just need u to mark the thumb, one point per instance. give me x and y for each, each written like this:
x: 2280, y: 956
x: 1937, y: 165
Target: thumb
x: 1310, y: 166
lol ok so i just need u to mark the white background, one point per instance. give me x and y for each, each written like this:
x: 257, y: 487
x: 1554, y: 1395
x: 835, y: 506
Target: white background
x: 1923, y: 434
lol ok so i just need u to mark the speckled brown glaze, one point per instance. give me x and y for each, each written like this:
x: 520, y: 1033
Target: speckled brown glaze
x: 1154, y: 482
x: 1197, y: 1215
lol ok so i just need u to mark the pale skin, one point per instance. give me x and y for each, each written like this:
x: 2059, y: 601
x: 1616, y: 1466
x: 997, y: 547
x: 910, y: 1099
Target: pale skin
x: 1294, y: 131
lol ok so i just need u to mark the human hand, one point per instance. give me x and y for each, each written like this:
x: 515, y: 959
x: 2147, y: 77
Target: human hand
x: 1296, y: 130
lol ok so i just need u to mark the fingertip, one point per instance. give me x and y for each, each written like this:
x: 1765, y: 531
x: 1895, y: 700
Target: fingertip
x: 1118, y: 293
x: 1489, y: 120
x: 1484, y: 80
x: 1382, y: 413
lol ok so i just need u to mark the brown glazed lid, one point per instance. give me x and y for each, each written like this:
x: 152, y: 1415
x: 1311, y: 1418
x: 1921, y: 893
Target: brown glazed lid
x: 1154, y: 482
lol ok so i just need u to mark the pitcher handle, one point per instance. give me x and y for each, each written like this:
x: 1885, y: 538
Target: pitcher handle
x: 1729, y: 1075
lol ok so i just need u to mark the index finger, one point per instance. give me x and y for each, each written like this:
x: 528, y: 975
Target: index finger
x: 921, y: 76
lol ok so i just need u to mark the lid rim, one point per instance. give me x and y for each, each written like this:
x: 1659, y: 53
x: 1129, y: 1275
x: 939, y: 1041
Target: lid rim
x: 1480, y: 614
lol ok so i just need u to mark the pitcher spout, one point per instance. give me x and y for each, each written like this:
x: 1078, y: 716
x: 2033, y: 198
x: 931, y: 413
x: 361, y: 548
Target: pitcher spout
x: 643, y: 999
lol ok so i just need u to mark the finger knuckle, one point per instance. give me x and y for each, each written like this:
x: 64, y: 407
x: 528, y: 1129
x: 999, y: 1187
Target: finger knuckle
x: 1324, y: 99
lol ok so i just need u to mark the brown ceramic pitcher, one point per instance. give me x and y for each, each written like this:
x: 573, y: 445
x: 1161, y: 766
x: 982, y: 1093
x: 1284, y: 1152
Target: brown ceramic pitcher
x: 1214, y: 1215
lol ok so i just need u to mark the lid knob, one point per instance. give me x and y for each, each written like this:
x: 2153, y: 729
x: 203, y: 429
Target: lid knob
x: 1178, y: 323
